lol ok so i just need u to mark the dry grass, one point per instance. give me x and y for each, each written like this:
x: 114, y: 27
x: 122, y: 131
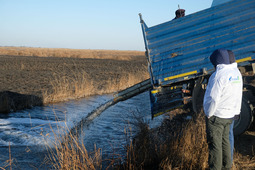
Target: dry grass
x: 179, y: 143
x: 188, y: 147
x: 243, y: 162
x: 71, y: 53
x: 82, y: 84
x: 9, y: 162
x: 69, y: 153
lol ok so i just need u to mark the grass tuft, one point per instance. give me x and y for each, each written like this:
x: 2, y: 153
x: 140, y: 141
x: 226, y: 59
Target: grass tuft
x: 70, y: 153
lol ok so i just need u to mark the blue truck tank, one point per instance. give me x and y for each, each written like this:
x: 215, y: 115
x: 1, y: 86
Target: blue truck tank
x: 178, y: 50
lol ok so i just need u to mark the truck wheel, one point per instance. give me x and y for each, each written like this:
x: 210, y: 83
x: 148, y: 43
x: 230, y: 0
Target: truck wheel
x: 198, y: 95
x: 245, y: 119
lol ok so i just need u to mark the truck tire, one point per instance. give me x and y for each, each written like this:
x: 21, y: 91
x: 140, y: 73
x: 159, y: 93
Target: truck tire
x: 245, y: 119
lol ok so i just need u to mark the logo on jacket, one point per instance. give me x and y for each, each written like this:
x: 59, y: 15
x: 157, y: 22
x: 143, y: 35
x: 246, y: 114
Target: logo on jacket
x: 234, y: 79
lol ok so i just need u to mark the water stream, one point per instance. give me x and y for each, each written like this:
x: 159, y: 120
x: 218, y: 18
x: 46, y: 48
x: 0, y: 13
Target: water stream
x: 26, y: 135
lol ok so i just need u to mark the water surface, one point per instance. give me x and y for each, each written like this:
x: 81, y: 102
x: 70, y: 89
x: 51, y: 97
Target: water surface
x: 29, y: 133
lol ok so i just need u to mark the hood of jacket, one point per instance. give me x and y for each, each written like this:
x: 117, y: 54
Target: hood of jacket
x: 232, y: 58
x: 219, y: 56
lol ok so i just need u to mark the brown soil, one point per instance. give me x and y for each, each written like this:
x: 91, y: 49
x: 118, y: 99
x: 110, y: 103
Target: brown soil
x: 26, y: 81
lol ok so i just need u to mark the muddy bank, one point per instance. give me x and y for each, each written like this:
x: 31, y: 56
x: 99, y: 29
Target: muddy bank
x: 27, y: 81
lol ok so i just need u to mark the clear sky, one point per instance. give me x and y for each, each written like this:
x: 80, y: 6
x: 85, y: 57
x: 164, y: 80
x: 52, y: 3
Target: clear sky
x: 85, y: 24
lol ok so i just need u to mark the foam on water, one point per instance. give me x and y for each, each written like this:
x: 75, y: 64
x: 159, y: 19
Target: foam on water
x: 38, y: 126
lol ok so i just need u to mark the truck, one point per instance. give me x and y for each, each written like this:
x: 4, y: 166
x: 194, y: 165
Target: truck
x: 178, y: 51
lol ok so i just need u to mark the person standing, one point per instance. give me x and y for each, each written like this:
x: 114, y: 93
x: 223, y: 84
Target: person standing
x: 179, y: 13
x: 222, y: 101
x: 231, y: 133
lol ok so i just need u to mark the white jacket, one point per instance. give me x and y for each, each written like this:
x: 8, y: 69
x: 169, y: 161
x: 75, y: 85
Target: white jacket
x: 223, y: 96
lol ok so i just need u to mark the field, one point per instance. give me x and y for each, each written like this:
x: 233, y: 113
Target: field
x: 71, y: 53
x: 26, y: 81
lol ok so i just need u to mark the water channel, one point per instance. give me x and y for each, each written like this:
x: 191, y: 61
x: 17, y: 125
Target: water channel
x: 26, y: 136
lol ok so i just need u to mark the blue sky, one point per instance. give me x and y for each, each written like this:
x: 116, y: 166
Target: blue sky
x: 84, y: 24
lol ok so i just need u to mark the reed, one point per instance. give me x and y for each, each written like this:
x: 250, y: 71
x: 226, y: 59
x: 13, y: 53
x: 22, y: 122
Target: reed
x: 82, y: 84
x: 9, y: 163
x: 69, y: 152
x: 179, y: 143
x: 188, y: 145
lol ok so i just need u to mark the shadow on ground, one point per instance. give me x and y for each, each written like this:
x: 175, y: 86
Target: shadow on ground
x: 12, y: 101
x: 245, y: 143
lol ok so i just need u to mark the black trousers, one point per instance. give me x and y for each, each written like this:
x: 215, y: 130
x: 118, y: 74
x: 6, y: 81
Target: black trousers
x: 217, y: 130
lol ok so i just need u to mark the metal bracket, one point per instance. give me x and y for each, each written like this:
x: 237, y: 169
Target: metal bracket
x: 253, y: 67
x: 205, y: 71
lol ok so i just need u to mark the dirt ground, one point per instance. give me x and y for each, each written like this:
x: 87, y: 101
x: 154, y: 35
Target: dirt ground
x: 245, y: 143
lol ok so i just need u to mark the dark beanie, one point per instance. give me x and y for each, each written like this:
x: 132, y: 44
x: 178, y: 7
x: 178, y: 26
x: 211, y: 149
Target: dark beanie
x: 231, y: 57
x: 180, y: 13
x: 219, y: 56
